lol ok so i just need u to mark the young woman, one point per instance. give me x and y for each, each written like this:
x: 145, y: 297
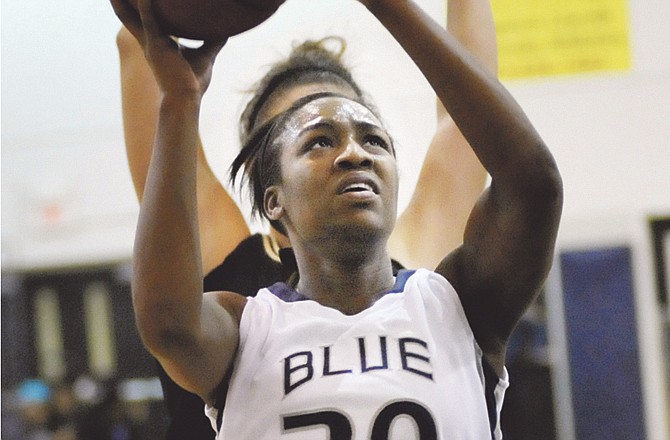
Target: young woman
x: 236, y: 261
x: 257, y: 261
x: 297, y: 359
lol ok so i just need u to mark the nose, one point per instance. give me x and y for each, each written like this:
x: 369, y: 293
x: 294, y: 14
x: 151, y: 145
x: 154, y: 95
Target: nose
x: 354, y: 156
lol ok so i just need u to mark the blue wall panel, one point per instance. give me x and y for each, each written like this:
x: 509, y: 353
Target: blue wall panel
x: 602, y: 344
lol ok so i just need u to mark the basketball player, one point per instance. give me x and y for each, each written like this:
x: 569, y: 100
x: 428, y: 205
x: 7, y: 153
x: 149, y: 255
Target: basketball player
x: 351, y: 350
x: 255, y: 262
x: 416, y: 241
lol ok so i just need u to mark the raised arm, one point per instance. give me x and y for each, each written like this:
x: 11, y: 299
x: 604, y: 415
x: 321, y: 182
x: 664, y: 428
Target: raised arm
x: 222, y: 226
x: 193, y: 336
x: 509, y: 240
x: 451, y: 178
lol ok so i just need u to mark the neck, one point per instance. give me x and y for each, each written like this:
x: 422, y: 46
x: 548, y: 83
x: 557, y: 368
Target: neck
x: 349, y: 280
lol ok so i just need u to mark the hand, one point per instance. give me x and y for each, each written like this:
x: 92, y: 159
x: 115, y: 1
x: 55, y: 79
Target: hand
x: 375, y: 4
x: 178, y: 69
x: 366, y: 3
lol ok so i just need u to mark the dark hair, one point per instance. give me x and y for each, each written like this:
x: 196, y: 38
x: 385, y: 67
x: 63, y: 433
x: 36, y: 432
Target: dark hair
x: 309, y: 62
x: 260, y: 155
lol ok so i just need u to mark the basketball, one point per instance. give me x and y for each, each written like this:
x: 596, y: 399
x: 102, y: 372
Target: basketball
x: 211, y: 19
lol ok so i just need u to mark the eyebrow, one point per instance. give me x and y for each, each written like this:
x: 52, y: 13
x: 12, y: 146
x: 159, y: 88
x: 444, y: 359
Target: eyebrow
x: 328, y: 123
x: 315, y: 125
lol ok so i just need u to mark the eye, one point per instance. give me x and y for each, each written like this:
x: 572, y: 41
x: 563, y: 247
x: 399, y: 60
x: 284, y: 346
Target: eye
x: 321, y: 142
x: 378, y: 142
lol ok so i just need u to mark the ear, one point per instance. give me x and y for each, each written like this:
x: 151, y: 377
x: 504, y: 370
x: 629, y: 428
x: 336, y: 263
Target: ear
x: 272, y: 203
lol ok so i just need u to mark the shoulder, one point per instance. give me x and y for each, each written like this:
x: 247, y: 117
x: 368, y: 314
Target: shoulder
x: 426, y: 289
x: 430, y: 284
x: 450, y: 267
x: 480, y: 295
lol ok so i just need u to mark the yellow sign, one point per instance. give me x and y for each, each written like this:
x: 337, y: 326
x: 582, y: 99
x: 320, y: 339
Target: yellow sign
x: 561, y: 37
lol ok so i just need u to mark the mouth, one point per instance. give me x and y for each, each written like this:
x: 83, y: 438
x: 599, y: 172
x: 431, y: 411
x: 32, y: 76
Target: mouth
x: 358, y: 184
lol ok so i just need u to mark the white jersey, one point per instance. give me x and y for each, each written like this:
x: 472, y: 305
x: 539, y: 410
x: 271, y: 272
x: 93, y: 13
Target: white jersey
x: 406, y: 368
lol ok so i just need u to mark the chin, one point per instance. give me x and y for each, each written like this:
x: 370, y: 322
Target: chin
x: 366, y: 233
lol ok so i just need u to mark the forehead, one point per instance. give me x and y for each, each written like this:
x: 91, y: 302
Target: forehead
x: 281, y: 100
x: 335, y: 110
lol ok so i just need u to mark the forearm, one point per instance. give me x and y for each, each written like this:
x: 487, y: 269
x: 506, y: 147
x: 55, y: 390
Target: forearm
x: 490, y: 119
x: 167, y: 285
x: 471, y: 23
x: 511, y: 231
x: 139, y: 100
x: 222, y: 226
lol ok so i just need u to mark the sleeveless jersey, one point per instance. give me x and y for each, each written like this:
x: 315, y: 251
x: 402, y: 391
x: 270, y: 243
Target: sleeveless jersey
x: 406, y: 368
x: 253, y: 264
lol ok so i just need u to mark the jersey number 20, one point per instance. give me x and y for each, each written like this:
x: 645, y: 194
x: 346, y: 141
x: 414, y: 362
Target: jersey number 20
x: 340, y: 428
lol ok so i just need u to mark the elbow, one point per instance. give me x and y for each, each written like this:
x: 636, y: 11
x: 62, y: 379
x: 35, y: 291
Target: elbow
x: 534, y: 186
x: 544, y: 199
x: 542, y: 183
x: 152, y: 331
x: 163, y: 340
x: 550, y: 184
x: 162, y: 329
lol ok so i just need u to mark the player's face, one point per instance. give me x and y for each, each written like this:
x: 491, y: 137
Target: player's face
x: 338, y: 171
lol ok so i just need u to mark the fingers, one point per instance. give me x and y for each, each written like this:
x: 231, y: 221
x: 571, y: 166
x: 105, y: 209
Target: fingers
x: 211, y: 48
x: 155, y: 37
x: 173, y: 65
x: 129, y: 17
x: 202, y: 59
x: 148, y: 17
